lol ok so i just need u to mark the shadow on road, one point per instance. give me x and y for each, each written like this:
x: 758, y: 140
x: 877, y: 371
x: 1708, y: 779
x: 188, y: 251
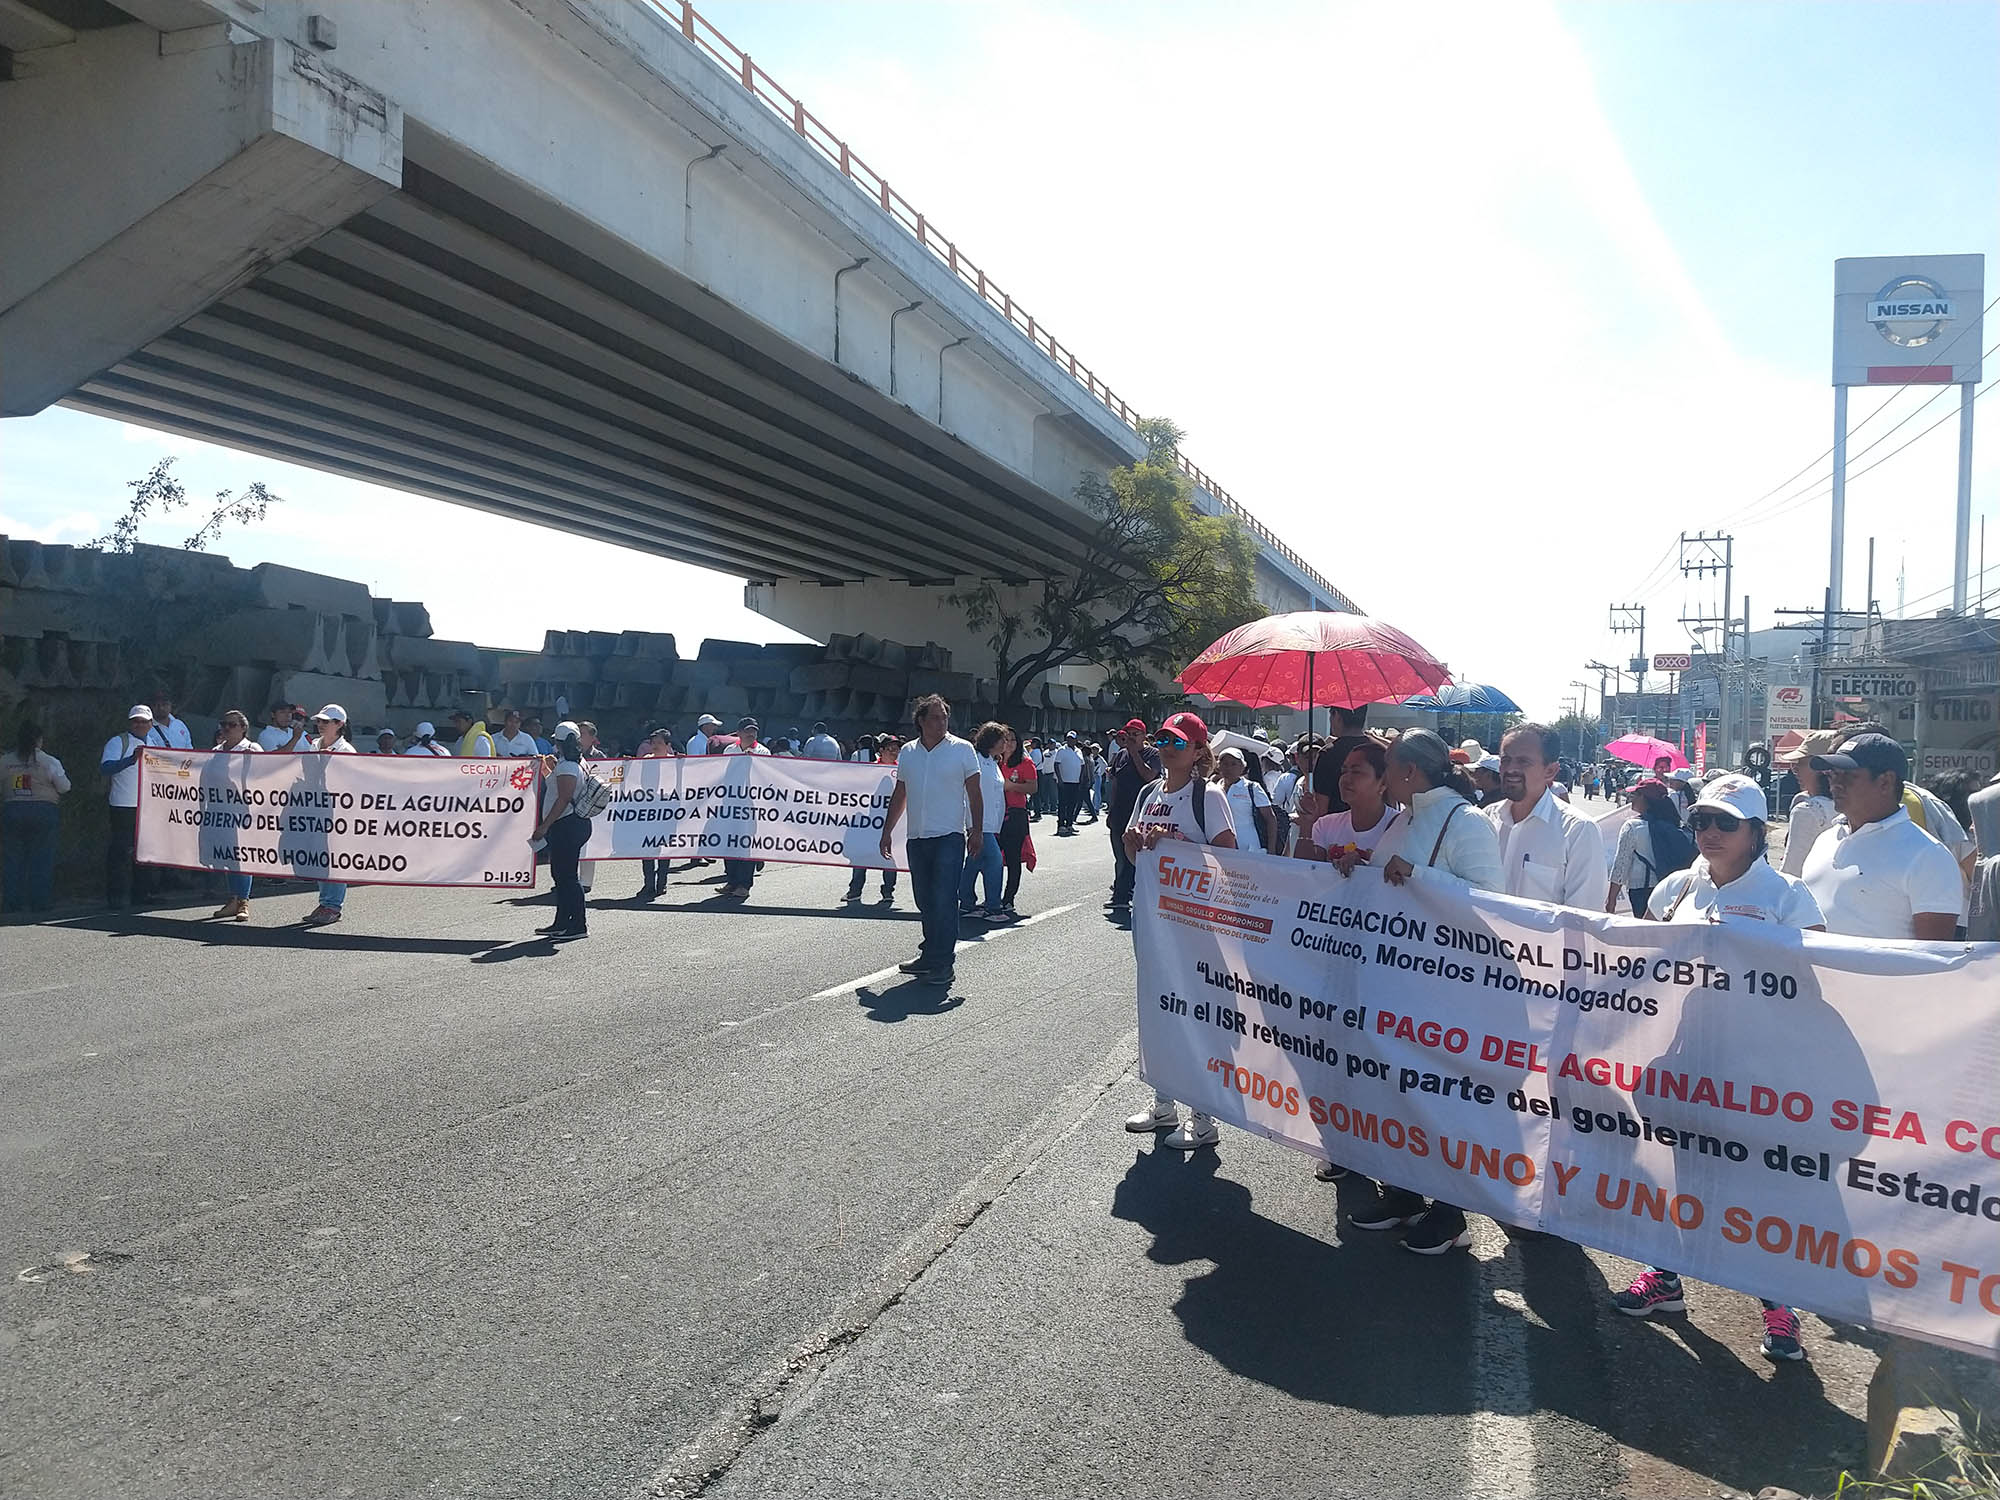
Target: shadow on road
x: 909, y: 998
x: 1362, y: 1324
x: 288, y: 936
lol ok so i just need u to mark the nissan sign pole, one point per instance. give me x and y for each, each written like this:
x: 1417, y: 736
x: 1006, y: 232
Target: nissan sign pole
x: 1907, y: 320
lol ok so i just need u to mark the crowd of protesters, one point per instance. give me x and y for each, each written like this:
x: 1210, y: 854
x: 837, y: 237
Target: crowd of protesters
x: 1866, y: 853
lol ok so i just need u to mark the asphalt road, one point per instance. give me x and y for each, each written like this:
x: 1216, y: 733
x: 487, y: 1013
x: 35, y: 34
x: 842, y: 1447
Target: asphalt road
x: 415, y: 1206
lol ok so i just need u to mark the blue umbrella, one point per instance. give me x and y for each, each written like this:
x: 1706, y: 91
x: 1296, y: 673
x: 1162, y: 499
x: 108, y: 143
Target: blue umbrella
x: 1422, y: 700
x: 1474, y: 698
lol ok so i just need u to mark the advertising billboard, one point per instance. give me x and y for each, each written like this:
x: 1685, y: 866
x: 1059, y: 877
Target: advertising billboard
x: 1908, y: 319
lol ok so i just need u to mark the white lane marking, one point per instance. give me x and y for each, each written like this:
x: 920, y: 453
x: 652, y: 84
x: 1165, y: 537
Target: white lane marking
x: 999, y: 932
x: 1500, y: 1440
x: 47, y: 989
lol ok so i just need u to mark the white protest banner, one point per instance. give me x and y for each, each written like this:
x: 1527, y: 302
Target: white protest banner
x: 1801, y: 1117
x: 769, y: 807
x: 364, y: 819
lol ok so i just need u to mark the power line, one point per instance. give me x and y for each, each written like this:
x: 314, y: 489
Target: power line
x: 1810, y: 496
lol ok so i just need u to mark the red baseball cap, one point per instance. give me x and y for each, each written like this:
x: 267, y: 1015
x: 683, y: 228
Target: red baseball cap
x: 1138, y: 724
x: 1188, y: 726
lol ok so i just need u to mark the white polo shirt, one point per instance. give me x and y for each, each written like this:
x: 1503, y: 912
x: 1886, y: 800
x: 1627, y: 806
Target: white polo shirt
x: 1759, y: 894
x: 1872, y: 881
x: 174, y: 732
x: 124, y: 790
x: 1555, y: 854
x: 934, y: 786
x: 1069, y: 764
x: 515, y: 744
x: 992, y: 795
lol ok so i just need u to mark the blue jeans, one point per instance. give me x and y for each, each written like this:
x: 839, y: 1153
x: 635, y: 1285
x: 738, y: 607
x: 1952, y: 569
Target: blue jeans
x: 989, y: 863
x: 332, y: 893
x: 935, y: 867
x: 739, y: 872
x: 28, y: 837
x: 239, y: 887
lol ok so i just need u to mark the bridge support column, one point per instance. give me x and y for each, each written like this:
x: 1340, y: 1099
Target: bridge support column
x: 147, y: 181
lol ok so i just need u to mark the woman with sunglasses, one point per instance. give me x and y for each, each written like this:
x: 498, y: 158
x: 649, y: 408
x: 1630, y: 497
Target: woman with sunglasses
x: 1730, y: 881
x: 1167, y: 810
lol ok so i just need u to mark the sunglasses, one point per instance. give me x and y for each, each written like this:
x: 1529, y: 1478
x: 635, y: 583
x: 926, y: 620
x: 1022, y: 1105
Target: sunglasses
x: 1702, y: 821
x: 1166, y: 741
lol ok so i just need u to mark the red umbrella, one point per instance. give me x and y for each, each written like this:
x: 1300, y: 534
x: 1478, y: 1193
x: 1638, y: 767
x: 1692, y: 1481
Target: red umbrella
x: 1313, y: 658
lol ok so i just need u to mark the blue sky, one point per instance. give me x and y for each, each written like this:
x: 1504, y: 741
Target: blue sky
x: 1477, y: 305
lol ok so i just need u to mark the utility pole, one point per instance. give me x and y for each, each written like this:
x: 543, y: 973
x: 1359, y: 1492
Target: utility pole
x: 1821, y: 623
x: 1701, y: 555
x: 1604, y: 703
x: 1628, y: 619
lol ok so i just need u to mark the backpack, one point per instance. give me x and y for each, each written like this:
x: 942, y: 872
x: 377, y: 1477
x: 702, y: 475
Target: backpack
x: 591, y: 797
x: 1673, y: 849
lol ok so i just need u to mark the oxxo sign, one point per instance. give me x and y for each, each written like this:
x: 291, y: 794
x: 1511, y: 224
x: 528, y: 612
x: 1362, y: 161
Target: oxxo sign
x: 1672, y: 661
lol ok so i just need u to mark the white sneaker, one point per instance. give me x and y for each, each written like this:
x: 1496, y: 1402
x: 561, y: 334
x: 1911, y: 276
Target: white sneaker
x: 1157, y: 1117
x: 1199, y: 1131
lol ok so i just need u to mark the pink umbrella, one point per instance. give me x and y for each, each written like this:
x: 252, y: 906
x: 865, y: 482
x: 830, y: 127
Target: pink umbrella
x: 1643, y: 750
x: 1313, y: 658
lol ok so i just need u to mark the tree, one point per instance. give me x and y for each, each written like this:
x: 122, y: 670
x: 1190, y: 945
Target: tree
x: 159, y: 487
x: 1159, y: 581
x: 1580, y: 736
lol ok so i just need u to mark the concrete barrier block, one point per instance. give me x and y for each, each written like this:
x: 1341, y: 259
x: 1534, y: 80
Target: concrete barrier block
x: 795, y: 653
x: 717, y: 649
x: 428, y: 653
x: 27, y: 566
x: 887, y: 682
x: 365, y: 702
x: 894, y: 654
x: 756, y: 672
x: 867, y: 648
x: 651, y: 644
x: 599, y: 643
x: 634, y: 669
x: 280, y: 587
x: 840, y: 648
x: 819, y: 677
x: 9, y: 579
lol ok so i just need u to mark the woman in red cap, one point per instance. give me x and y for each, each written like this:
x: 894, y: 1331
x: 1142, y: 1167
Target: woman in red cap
x: 1183, y: 804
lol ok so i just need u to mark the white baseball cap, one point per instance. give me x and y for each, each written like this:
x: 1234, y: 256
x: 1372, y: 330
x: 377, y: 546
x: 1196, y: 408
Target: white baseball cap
x: 426, y: 729
x: 565, y: 731
x: 1735, y: 794
x: 140, y: 711
x: 706, y: 720
x: 1488, y: 762
x: 1232, y: 753
x: 333, y: 713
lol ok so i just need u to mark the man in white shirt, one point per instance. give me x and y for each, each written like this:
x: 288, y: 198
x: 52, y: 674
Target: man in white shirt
x: 704, y: 729
x: 1068, y: 761
x: 937, y: 784
x: 822, y: 746
x: 287, y: 729
x: 1548, y: 850
x: 512, y: 740
x: 125, y: 880
x: 168, y: 731
x: 740, y: 874
x: 1875, y: 874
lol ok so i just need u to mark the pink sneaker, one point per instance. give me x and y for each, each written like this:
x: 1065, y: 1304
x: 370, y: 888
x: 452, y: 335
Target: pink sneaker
x: 1651, y: 1292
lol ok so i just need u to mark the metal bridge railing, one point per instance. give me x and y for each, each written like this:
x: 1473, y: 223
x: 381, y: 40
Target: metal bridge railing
x: 788, y: 107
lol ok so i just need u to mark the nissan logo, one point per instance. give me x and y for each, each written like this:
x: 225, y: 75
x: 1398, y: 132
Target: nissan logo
x: 1910, y: 311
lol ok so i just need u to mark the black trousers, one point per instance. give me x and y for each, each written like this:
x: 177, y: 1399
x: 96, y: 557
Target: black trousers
x: 1013, y: 834
x: 567, y: 836
x: 1069, y: 796
x: 125, y: 880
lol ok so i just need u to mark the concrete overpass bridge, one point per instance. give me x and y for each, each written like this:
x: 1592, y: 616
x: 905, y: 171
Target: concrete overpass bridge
x: 579, y: 262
